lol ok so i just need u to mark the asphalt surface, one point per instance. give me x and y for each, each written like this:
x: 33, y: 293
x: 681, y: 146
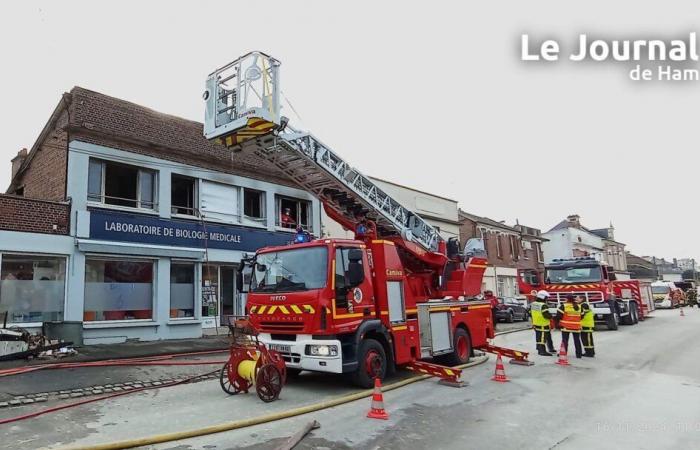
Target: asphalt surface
x: 641, y: 391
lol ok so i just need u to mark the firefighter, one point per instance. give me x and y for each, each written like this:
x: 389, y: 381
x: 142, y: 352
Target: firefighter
x: 493, y: 301
x: 540, y: 322
x: 569, y: 315
x: 587, y: 327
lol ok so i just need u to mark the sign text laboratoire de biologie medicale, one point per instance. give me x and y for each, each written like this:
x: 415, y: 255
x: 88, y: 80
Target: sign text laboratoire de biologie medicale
x: 651, y: 59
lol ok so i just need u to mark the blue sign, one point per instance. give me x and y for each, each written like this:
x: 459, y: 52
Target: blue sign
x: 111, y: 226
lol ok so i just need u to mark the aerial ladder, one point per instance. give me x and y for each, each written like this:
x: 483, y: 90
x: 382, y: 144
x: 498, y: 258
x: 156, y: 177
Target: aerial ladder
x: 243, y: 112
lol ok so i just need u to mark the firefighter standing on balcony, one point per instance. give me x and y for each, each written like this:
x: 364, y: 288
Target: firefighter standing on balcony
x: 540, y: 322
x: 587, y: 327
x: 569, y: 315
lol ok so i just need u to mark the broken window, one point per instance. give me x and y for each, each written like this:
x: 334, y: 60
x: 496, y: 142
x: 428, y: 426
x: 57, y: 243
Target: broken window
x: 121, y: 185
x: 254, y: 205
x: 183, y: 195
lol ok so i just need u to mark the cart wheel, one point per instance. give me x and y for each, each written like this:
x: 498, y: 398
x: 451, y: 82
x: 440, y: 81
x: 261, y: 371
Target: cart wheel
x: 230, y: 387
x: 268, y: 383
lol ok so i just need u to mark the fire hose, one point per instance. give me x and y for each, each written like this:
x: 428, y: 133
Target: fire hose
x: 228, y: 426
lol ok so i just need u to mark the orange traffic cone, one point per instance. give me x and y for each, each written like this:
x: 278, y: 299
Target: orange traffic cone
x: 563, y: 359
x: 377, y: 411
x: 500, y: 373
x: 682, y: 313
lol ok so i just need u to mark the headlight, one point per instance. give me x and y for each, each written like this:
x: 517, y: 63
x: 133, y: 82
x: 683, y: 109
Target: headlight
x: 322, y: 350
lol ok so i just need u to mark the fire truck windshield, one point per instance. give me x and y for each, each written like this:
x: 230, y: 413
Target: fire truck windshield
x: 573, y: 275
x: 296, y: 269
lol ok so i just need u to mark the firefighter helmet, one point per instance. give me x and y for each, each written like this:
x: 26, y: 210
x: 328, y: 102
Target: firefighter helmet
x: 543, y: 295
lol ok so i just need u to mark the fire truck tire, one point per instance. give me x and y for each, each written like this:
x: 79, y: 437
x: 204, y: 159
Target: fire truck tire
x: 634, y: 309
x: 462, y: 351
x: 371, y: 359
x: 611, y: 321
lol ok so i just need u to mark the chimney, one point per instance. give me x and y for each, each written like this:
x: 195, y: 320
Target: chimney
x: 574, y: 220
x: 611, y: 232
x: 18, y: 160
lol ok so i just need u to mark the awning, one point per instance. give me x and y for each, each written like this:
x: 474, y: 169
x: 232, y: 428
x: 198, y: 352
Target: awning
x: 126, y: 248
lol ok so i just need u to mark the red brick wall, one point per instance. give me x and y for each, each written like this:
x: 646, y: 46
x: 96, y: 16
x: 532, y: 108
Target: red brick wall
x: 45, y: 177
x: 30, y: 215
x: 469, y: 229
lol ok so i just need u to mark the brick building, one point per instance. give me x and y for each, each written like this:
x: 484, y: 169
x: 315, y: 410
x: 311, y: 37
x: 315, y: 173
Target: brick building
x: 530, y: 263
x: 503, y: 249
x: 128, y: 220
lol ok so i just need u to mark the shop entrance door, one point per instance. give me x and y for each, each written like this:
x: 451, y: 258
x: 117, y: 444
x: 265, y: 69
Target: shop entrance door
x: 218, y: 294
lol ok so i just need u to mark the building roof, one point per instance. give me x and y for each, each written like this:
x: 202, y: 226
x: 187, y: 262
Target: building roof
x: 161, y: 135
x: 486, y: 221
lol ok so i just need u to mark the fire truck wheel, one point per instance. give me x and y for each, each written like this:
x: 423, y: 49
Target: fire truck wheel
x: 462, y: 351
x: 371, y: 360
x: 635, y: 313
x: 611, y: 321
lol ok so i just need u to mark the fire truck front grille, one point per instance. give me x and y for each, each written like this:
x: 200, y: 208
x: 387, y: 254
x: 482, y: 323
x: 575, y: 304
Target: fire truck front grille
x: 282, y: 326
x: 590, y: 296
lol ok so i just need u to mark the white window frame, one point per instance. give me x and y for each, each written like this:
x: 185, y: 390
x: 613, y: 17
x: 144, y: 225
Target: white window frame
x: 154, y: 299
x: 65, y: 284
x: 239, y: 208
x: 139, y: 169
x: 278, y: 212
x: 499, y: 251
x: 538, y: 251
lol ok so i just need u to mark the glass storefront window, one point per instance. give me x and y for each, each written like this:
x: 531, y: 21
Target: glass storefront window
x: 32, y: 288
x: 181, y: 290
x: 118, y: 289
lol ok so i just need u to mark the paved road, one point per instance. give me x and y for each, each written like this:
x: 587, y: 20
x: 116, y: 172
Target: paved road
x: 642, y: 391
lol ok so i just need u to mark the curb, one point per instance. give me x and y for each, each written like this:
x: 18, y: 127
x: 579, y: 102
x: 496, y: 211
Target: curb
x: 40, y: 397
x: 513, y: 331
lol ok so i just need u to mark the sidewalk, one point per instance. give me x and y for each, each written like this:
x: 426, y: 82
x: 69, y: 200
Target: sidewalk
x: 131, y: 350
x: 75, y: 379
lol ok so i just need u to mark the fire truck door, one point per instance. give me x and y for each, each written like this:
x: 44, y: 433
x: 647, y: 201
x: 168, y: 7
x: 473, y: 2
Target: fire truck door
x: 403, y: 335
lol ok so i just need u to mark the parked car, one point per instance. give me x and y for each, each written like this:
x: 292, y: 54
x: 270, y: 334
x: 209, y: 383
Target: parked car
x: 511, y: 309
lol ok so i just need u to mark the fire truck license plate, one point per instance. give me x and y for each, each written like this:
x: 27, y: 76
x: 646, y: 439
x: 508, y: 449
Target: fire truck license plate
x: 280, y: 348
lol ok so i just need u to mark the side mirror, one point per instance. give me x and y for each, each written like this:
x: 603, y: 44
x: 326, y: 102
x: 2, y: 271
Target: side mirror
x: 355, y: 255
x: 356, y: 275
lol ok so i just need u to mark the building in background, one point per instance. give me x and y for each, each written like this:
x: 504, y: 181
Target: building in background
x: 530, y: 263
x: 666, y: 270
x: 613, y: 252
x: 129, y: 221
x: 440, y: 212
x: 641, y: 269
x: 503, y: 249
x: 570, y: 239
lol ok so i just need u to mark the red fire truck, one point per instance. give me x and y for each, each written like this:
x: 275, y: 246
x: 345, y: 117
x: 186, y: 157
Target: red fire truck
x: 613, y: 301
x: 394, y: 295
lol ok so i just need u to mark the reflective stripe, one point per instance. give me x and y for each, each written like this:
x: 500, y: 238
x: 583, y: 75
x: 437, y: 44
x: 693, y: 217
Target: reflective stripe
x: 572, y: 318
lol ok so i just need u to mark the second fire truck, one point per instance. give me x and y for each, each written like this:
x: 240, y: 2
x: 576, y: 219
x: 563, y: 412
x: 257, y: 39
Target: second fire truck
x: 613, y: 301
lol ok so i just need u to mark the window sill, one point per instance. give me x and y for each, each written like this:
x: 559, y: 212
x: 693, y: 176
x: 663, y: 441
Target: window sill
x: 92, y: 204
x: 184, y: 216
x: 184, y: 322
x: 119, y: 324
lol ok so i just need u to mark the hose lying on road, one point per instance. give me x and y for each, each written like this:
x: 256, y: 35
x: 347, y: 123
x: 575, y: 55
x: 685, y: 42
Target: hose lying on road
x: 228, y: 426
x: 161, y: 360
x: 41, y: 412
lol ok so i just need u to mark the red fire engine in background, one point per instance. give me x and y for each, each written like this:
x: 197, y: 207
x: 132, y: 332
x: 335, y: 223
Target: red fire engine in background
x: 613, y: 301
x: 394, y: 295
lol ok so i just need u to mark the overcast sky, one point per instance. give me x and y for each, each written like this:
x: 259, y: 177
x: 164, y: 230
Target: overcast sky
x: 431, y: 95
